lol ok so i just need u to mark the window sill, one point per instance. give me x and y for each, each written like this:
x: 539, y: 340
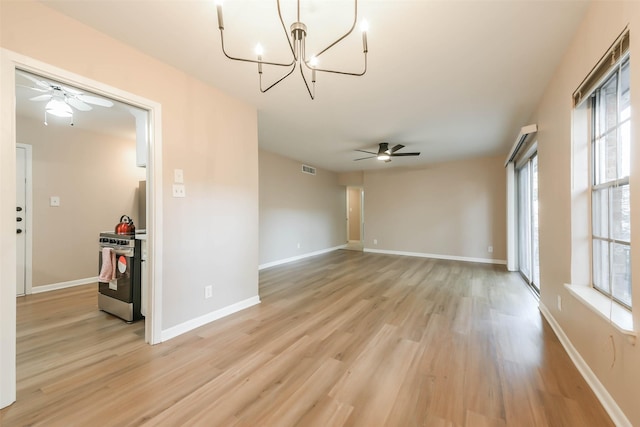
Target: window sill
x: 618, y: 316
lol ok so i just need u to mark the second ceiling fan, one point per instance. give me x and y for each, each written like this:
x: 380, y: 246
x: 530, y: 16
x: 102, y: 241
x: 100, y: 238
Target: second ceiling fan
x: 385, y: 153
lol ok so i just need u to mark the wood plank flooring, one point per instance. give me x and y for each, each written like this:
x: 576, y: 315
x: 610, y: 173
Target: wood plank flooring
x: 342, y: 339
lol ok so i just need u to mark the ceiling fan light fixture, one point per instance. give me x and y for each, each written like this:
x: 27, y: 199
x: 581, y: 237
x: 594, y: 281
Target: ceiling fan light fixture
x: 59, y: 108
x: 383, y: 156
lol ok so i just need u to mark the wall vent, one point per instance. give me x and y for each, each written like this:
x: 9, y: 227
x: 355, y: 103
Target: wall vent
x: 309, y: 169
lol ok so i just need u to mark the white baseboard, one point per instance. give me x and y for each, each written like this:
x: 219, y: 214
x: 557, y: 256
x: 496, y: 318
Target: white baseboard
x: 609, y: 404
x: 299, y: 257
x: 62, y: 285
x: 438, y: 256
x: 180, y: 329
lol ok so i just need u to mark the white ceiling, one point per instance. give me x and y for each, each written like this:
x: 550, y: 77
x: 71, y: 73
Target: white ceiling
x: 452, y: 79
x: 116, y: 120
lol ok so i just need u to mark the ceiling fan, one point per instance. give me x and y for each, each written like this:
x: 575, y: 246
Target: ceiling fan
x: 385, y: 153
x: 61, y: 98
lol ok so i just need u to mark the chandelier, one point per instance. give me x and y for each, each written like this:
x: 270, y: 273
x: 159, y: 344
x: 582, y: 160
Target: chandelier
x: 296, y: 42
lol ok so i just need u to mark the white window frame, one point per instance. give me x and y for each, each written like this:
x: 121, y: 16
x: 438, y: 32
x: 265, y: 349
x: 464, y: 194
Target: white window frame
x: 609, y: 186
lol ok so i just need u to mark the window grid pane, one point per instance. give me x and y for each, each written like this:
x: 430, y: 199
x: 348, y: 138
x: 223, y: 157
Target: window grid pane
x: 610, y: 197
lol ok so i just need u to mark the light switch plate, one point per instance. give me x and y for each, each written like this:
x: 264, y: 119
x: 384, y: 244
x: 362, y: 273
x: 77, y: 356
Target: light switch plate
x: 178, y: 176
x: 54, y: 201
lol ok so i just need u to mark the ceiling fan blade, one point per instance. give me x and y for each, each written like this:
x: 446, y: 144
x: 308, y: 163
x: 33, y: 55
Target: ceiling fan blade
x: 396, y: 148
x: 39, y: 83
x: 368, y: 152
x: 79, y: 105
x: 95, y: 100
x: 40, y: 98
x: 363, y: 158
x: 71, y: 90
x: 37, y: 89
x: 404, y: 154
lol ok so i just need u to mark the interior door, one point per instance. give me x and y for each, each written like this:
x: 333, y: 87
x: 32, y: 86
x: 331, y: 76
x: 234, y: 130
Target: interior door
x: 21, y: 220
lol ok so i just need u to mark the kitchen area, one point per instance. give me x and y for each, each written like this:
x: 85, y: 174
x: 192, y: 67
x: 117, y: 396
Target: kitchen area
x: 85, y: 175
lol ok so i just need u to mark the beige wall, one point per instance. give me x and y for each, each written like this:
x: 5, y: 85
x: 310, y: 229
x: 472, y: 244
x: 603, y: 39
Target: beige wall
x: 96, y: 178
x: 452, y: 209
x: 355, y: 179
x: 211, y: 236
x: 609, y: 355
x: 355, y: 199
x: 298, y: 208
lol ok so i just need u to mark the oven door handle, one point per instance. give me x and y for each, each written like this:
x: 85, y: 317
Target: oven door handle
x: 128, y: 252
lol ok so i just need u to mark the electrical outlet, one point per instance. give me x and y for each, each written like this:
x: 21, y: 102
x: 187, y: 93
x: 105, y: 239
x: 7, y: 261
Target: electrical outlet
x: 490, y: 249
x: 179, y: 191
x: 208, y: 292
x: 559, y: 303
x: 375, y: 241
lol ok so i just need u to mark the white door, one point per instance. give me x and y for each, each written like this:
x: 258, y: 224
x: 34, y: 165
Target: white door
x: 21, y: 220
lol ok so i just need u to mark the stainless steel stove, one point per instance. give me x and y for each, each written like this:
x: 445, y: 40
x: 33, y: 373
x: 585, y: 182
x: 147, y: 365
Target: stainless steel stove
x: 119, y: 290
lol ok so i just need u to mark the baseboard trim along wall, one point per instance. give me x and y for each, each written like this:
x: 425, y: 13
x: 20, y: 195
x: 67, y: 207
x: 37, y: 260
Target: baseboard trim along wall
x: 438, y: 256
x: 208, y: 318
x: 62, y: 285
x: 609, y: 404
x: 299, y: 257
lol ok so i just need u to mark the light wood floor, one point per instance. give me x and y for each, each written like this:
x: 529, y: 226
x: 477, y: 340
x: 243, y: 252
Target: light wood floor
x: 346, y: 338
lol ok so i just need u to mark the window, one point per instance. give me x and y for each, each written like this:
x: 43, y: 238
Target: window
x: 610, y: 202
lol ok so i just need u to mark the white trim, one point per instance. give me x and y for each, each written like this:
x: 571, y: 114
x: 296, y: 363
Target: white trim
x: 7, y: 230
x: 512, y: 229
x: 607, y: 309
x: 208, y: 318
x: 9, y: 62
x: 299, y: 257
x: 63, y: 285
x: 525, y: 131
x: 28, y: 218
x: 438, y: 256
x: 617, y: 416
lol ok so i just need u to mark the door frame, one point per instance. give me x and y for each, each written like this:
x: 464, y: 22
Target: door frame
x: 28, y: 217
x: 9, y: 62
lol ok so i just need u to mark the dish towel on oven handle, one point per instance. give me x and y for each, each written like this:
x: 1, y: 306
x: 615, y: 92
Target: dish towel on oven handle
x: 108, y: 270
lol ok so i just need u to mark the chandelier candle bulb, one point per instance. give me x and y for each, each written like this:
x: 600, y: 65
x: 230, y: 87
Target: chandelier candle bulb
x: 219, y: 10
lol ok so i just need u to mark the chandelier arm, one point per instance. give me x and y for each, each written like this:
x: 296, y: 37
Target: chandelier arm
x: 253, y: 61
x: 345, y: 73
x: 355, y: 20
x: 277, y: 81
x: 304, y: 79
x: 286, y: 33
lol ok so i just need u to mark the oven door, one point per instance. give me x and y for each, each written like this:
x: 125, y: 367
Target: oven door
x: 121, y: 287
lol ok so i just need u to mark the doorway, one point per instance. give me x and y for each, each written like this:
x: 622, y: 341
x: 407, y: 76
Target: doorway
x: 9, y: 63
x: 355, y: 218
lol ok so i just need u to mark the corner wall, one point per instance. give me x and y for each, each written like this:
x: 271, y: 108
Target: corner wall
x: 300, y: 214
x: 606, y: 353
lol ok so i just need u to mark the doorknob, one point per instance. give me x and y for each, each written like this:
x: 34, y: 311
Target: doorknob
x: 19, y: 230
x: 19, y: 208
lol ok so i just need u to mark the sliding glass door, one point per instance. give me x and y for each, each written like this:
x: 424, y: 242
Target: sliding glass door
x: 528, y: 249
